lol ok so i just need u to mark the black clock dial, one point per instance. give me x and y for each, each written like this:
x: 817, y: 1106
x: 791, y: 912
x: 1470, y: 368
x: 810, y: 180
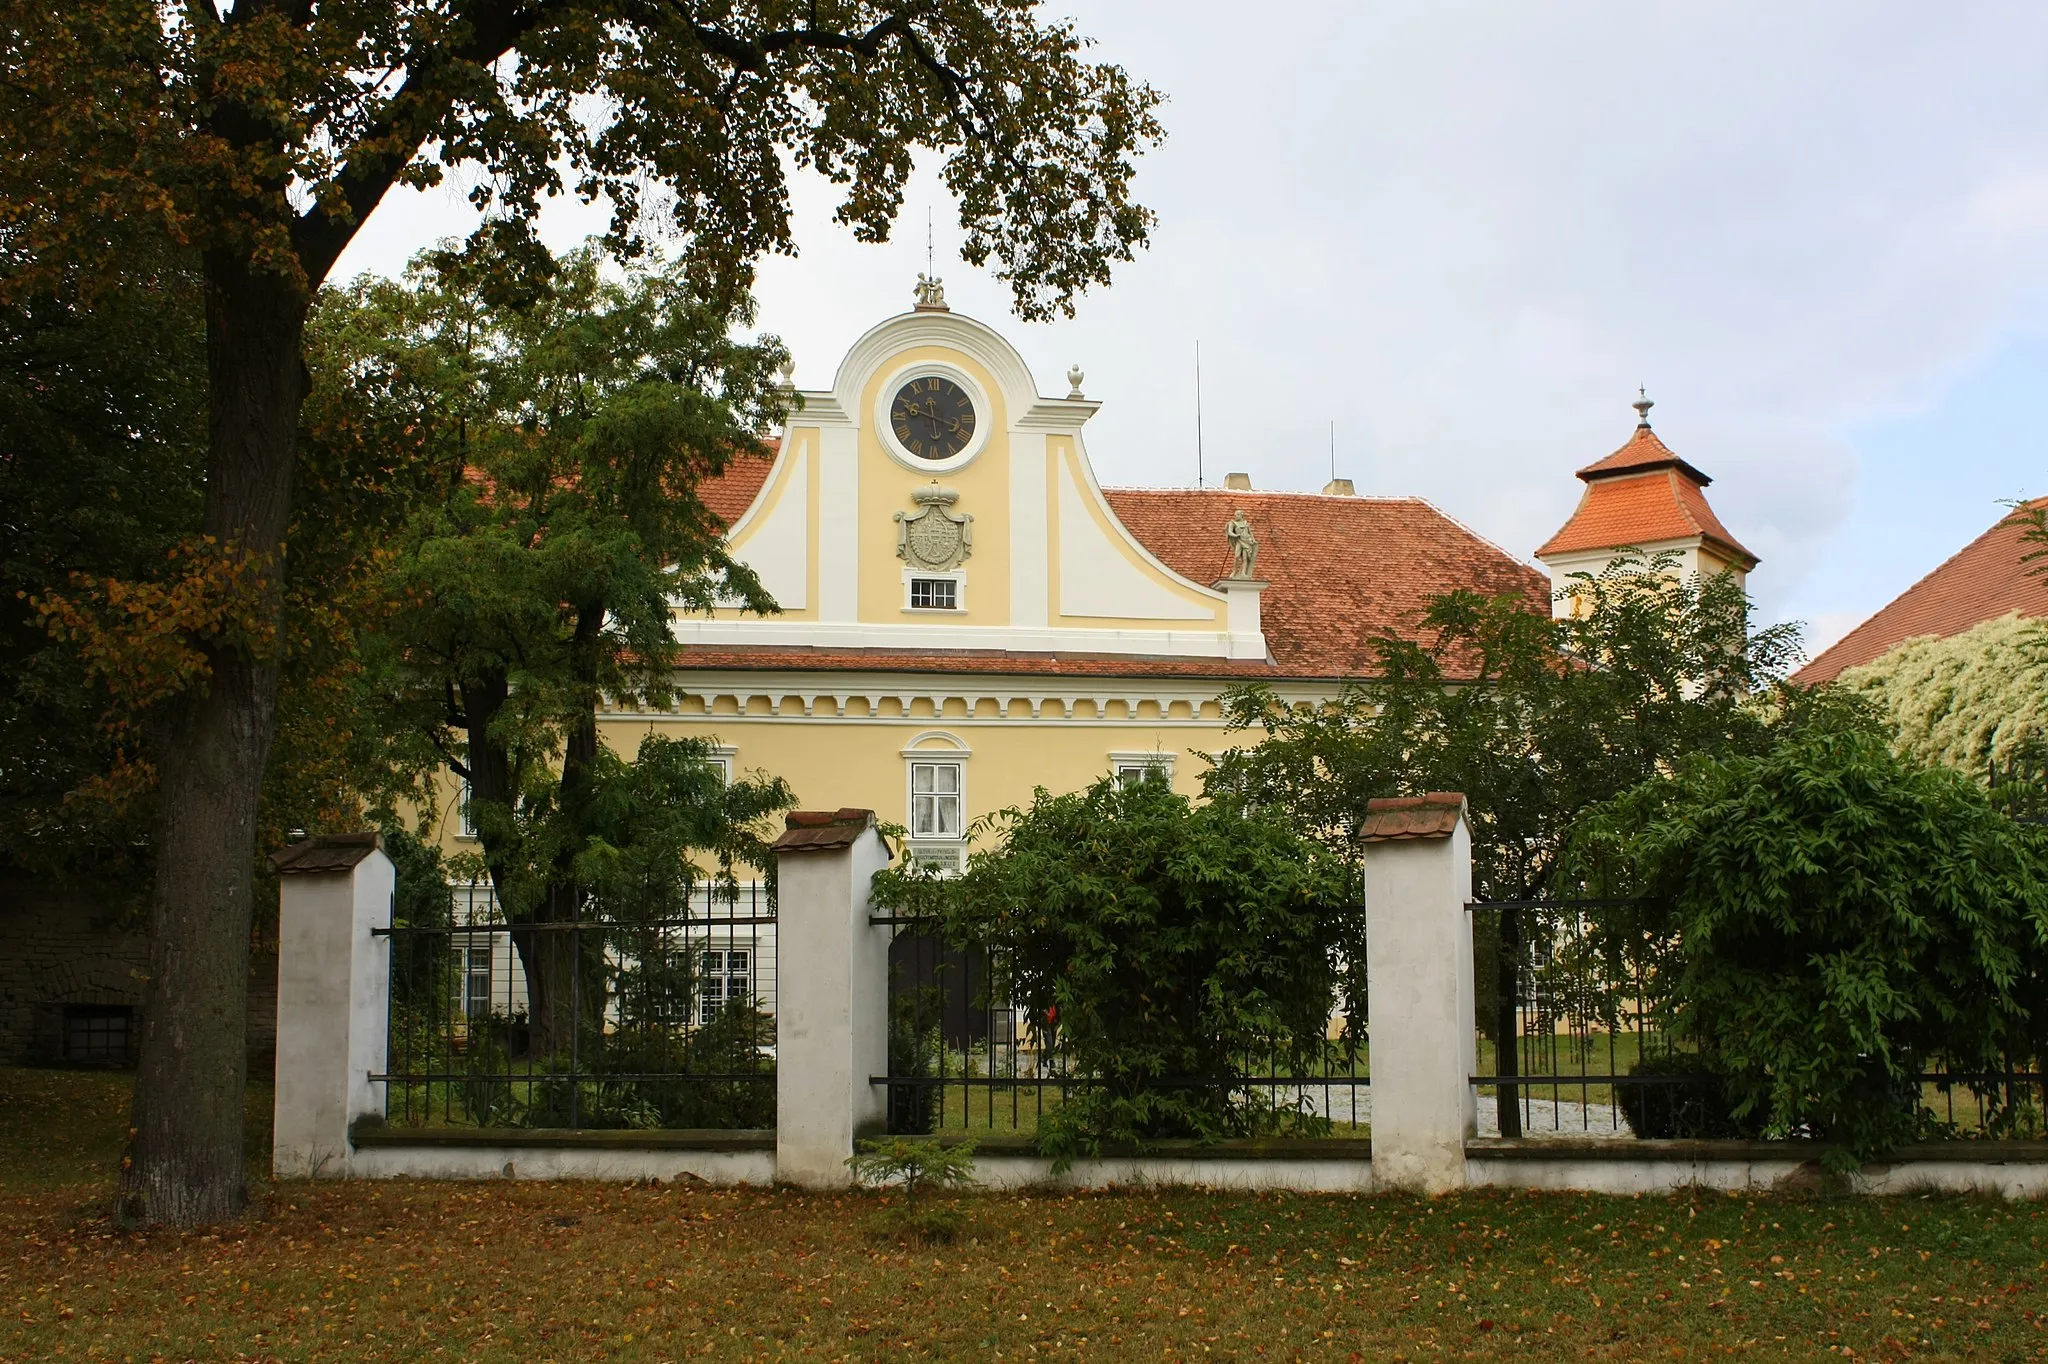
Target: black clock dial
x: 932, y: 418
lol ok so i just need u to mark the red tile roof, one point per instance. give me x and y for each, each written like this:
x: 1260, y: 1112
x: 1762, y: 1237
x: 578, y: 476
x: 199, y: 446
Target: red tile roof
x: 330, y: 852
x: 1982, y: 581
x: 730, y: 494
x: 1343, y: 570
x: 1392, y: 818
x: 968, y: 662
x: 821, y: 830
x: 1643, y: 451
x: 1640, y: 494
x: 1640, y: 509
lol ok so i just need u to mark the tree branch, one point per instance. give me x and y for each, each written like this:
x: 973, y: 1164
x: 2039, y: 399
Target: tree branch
x: 319, y: 235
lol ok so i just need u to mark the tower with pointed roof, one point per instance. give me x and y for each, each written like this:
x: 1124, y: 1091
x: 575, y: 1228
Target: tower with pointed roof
x: 1642, y: 497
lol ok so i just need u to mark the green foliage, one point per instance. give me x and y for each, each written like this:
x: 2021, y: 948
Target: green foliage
x: 1157, y: 947
x: 573, y: 421
x: 912, y: 1165
x: 420, y: 899
x: 1844, y: 920
x: 1970, y: 701
x: 1532, y: 719
x: 1690, y: 1104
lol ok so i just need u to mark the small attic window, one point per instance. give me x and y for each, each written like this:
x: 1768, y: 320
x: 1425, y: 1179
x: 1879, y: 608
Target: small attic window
x: 934, y: 594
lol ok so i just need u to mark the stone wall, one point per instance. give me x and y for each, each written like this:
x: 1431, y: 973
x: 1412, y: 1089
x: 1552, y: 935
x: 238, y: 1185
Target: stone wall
x: 60, y: 948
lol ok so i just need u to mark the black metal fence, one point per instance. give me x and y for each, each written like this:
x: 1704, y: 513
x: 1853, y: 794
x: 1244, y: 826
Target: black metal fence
x: 504, y: 1021
x: 965, y: 1062
x: 1568, y: 995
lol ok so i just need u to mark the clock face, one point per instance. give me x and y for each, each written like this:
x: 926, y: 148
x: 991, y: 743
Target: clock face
x: 933, y: 418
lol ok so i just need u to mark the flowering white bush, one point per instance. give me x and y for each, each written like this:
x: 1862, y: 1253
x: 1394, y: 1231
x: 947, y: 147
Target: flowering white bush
x: 1965, y: 701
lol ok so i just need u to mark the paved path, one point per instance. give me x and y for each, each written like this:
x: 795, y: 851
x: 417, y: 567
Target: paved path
x: 1540, y: 1117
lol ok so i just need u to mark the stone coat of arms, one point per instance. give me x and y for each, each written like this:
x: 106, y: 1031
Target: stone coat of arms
x: 937, y: 538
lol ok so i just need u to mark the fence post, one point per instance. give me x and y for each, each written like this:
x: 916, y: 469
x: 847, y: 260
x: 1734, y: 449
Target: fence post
x: 333, y: 994
x: 832, y: 1006
x: 1418, y: 878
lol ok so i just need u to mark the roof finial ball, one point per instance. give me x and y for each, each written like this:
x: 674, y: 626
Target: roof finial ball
x: 1642, y: 405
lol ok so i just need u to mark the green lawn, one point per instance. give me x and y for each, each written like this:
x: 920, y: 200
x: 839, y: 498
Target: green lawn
x: 533, y: 1272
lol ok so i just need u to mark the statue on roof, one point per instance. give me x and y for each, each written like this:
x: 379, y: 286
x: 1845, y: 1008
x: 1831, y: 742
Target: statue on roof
x: 930, y: 294
x: 1244, y: 547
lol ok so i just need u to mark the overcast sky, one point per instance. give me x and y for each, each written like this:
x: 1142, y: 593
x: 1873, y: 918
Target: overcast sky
x: 1465, y: 232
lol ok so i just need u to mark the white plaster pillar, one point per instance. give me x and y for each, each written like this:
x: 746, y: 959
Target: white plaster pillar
x: 832, y: 995
x: 333, y: 994
x: 1418, y: 878
x: 1241, y: 610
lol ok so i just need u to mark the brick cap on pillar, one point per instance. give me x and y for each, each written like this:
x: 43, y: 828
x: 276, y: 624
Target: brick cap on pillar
x: 329, y: 852
x: 1389, y: 818
x: 821, y: 830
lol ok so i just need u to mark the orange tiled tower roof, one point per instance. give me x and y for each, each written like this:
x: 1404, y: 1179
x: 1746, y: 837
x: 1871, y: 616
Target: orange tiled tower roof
x: 1643, y: 494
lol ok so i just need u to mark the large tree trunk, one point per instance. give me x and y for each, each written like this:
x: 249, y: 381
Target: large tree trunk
x: 185, y: 1161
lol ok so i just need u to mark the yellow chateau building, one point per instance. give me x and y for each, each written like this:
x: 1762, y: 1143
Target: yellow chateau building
x: 968, y: 614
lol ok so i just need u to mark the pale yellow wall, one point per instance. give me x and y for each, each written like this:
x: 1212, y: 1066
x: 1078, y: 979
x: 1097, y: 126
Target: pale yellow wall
x: 833, y: 764
x: 984, y: 488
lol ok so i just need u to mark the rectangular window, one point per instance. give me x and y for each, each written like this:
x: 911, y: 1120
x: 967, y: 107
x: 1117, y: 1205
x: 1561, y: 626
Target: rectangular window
x: 935, y: 800
x: 934, y: 594
x: 98, y: 1034
x: 463, y: 815
x: 1134, y: 768
x: 726, y: 976
x: 476, y: 982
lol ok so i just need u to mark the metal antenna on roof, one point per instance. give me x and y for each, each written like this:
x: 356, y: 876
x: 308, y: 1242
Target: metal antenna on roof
x: 1333, y: 452
x: 1198, y: 414
x: 929, y: 259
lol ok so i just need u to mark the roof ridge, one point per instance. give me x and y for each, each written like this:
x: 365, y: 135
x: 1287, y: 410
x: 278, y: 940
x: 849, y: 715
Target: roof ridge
x: 1265, y: 492
x: 2002, y: 523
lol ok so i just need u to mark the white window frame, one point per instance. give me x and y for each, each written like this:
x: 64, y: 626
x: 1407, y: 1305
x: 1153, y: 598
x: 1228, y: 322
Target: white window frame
x: 957, y: 577
x: 721, y: 757
x: 478, y: 965
x: 709, y: 1005
x: 465, y: 825
x: 935, y: 747
x: 937, y: 765
x: 1128, y: 766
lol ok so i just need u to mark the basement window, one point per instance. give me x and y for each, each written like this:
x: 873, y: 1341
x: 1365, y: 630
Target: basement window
x: 99, y: 1034
x: 934, y: 594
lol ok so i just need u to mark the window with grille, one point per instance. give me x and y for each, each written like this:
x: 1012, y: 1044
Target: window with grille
x: 476, y: 981
x: 934, y: 594
x: 465, y: 817
x: 98, y: 1034
x: 935, y: 800
x: 727, y: 975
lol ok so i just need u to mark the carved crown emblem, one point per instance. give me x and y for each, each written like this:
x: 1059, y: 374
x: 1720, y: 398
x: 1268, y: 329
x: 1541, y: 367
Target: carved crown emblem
x: 936, y: 539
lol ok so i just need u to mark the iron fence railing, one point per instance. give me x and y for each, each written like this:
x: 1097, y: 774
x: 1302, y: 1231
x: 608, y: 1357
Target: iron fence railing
x: 1569, y: 1040
x: 665, y: 1021
x: 964, y: 1062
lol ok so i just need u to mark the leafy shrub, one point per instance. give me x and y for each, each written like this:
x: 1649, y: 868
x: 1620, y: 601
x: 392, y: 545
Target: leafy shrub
x: 1155, y: 945
x: 1693, y: 1102
x: 1844, y: 920
x: 914, y: 1166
